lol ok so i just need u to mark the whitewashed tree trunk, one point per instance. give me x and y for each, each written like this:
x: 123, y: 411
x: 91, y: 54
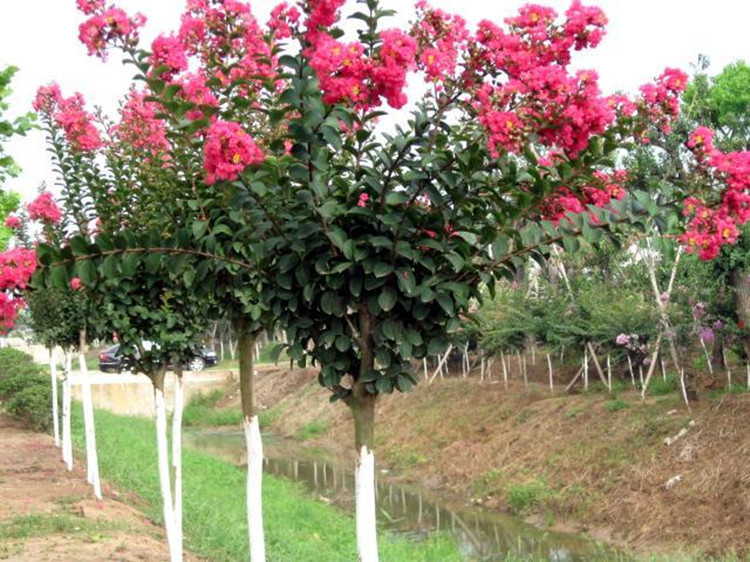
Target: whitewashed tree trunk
x: 551, y: 378
x: 164, y: 480
x: 630, y: 368
x: 254, y: 447
x: 55, y: 413
x: 67, y: 445
x: 505, y: 370
x: 92, y: 460
x: 177, y: 460
x: 364, y: 478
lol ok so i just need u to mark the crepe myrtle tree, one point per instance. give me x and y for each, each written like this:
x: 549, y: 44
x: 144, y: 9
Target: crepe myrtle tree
x: 119, y: 195
x: 370, y: 244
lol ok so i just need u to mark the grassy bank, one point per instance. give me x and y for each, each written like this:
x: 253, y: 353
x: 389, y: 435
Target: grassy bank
x: 297, y: 526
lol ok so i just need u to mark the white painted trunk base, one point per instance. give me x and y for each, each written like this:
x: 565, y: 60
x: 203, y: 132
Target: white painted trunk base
x: 92, y: 459
x: 364, y: 483
x: 55, y: 412
x: 254, y: 447
x: 177, y: 461
x: 175, y: 555
x: 67, y: 445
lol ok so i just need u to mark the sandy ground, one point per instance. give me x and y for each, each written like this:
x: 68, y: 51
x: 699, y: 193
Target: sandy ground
x: 34, y: 482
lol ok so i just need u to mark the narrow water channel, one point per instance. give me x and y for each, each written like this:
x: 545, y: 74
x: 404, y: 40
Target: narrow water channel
x: 480, y: 534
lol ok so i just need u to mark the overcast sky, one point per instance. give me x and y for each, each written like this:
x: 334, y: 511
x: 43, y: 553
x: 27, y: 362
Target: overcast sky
x: 644, y: 37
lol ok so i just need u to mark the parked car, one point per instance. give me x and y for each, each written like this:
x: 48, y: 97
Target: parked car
x: 110, y: 360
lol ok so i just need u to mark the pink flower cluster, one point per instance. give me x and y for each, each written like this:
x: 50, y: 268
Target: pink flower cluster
x: 78, y: 124
x: 107, y: 27
x: 522, y: 86
x: 283, y: 21
x: 168, y: 51
x: 347, y: 75
x: 321, y: 14
x: 195, y: 91
x: 712, y: 226
x: 660, y: 102
x: 9, y: 308
x: 47, y: 99
x: 227, y: 151
x: 44, y: 209
x: 17, y: 265
x: 608, y: 187
x: 441, y: 38
x: 13, y: 222
x: 139, y: 127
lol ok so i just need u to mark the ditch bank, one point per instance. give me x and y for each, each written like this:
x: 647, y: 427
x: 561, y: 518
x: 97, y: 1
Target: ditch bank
x: 650, y: 476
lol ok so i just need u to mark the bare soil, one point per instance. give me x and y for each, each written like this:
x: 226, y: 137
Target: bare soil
x: 592, y: 464
x: 64, y: 521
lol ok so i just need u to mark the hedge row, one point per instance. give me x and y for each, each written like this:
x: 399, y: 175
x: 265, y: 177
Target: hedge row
x: 25, y: 390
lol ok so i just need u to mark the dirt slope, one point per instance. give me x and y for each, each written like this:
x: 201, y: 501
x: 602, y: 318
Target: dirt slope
x: 49, y: 514
x: 587, y: 460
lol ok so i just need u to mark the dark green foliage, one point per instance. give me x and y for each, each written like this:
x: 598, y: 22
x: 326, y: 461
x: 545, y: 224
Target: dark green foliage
x: 25, y: 390
x: 31, y: 406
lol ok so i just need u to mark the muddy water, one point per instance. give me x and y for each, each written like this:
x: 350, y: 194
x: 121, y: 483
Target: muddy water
x: 480, y: 534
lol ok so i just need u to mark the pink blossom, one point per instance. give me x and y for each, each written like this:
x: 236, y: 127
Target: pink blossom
x: 228, y: 150
x: 139, y: 127
x: 89, y: 7
x: 13, y: 222
x: 76, y: 283
x: 108, y: 28
x: 168, y: 51
x: 44, y: 209
x: 47, y: 99
x: 78, y: 124
x: 363, y: 199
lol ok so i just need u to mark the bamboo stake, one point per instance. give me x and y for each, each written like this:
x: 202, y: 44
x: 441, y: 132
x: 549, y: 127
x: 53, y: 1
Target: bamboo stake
x: 585, y: 368
x: 505, y: 371
x: 663, y: 370
x: 533, y: 355
x: 609, y: 373
x: 424, y: 363
x: 708, y: 358
x: 747, y: 365
x: 684, y: 389
x: 523, y: 370
x: 551, y: 378
x: 597, y: 366
x: 630, y: 368
x: 640, y: 374
x: 439, y: 367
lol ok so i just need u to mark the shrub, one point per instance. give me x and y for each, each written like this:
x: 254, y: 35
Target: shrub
x: 201, y: 410
x: 17, y: 382
x: 31, y: 405
x: 524, y: 497
x: 11, y: 358
x: 616, y: 405
x: 660, y: 386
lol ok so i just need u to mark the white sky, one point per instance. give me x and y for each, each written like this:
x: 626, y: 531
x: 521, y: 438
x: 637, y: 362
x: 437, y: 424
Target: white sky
x: 644, y: 37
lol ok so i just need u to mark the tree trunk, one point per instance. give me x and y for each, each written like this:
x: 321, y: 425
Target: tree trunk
x: 740, y: 281
x: 92, y: 460
x: 67, y: 445
x: 253, y: 443
x: 157, y: 378
x: 55, y: 413
x: 362, y: 404
x: 177, y: 452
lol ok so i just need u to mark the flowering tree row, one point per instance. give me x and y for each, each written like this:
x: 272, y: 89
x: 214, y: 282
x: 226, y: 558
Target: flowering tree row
x: 250, y: 175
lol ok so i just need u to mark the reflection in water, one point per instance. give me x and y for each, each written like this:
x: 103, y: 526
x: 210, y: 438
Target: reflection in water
x: 480, y: 534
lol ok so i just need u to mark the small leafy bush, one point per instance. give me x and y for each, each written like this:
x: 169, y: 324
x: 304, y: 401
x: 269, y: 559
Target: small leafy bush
x: 522, y: 498
x: 31, y: 406
x: 11, y: 359
x: 17, y: 382
x: 616, y: 405
x: 660, y: 386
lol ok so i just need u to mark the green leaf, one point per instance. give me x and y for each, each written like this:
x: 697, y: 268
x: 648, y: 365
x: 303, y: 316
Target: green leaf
x: 387, y: 299
x: 382, y: 269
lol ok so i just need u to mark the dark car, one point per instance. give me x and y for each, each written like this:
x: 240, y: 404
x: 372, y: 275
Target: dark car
x: 110, y: 360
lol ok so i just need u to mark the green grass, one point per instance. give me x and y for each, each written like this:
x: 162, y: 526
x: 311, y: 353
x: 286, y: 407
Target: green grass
x: 201, y: 411
x: 297, y: 526
x: 659, y: 386
x: 522, y: 498
x: 26, y: 526
x: 311, y: 430
x: 616, y: 405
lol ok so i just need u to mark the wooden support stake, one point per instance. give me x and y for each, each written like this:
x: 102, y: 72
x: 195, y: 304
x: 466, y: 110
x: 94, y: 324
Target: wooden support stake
x: 551, y: 378
x: 505, y: 370
x: 630, y: 368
